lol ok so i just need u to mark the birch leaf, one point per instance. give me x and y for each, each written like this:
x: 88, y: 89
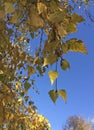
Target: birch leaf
x: 62, y: 93
x: 52, y: 75
x: 50, y: 59
x: 53, y: 95
x: 9, y: 8
x: 42, y: 8
x: 65, y: 64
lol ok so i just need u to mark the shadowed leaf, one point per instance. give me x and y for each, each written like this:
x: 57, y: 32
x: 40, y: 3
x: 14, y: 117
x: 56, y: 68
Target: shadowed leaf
x: 65, y: 64
x: 53, y: 95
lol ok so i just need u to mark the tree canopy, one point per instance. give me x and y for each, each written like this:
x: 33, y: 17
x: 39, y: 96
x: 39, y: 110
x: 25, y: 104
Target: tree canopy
x: 77, y: 123
x: 21, y: 22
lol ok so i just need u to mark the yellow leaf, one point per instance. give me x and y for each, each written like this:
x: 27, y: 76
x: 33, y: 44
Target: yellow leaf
x: 42, y: 8
x: 31, y: 70
x: 9, y: 8
x: 14, y: 18
x: 56, y: 17
x: 18, y: 84
x: 62, y: 93
x: 61, y: 31
x: 1, y: 14
x: 1, y: 72
x: 75, y: 45
x: 75, y: 18
x: 35, y: 20
x: 50, y: 59
x: 20, y: 100
x: 65, y: 64
x: 52, y: 75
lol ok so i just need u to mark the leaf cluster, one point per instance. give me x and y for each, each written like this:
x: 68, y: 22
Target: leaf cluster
x: 20, y: 23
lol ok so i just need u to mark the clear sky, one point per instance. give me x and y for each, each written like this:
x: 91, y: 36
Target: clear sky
x: 78, y: 82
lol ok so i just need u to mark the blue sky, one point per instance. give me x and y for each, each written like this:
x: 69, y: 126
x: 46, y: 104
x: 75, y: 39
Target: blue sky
x: 78, y: 82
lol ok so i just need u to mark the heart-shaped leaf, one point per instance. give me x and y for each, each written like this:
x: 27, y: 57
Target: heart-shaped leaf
x: 52, y: 75
x: 62, y: 93
x: 53, y: 95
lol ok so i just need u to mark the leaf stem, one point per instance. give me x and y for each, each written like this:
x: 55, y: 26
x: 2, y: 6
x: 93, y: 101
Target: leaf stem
x: 56, y: 79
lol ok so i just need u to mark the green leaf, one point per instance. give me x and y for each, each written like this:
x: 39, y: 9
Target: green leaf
x: 50, y: 59
x: 65, y: 64
x: 9, y: 8
x: 62, y: 93
x: 53, y: 95
x: 52, y: 75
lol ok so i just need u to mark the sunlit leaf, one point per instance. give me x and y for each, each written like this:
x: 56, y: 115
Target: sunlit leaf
x: 1, y: 72
x: 75, y: 45
x: 53, y: 76
x: 50, y: 59
x: 62, y: 93
x: 65, y: 64
x: 42, y: 8
x: 53, y: 95
x: 18, y: 85
x: 9, y: 8
x: 61, y: 31
x: 20, y: 100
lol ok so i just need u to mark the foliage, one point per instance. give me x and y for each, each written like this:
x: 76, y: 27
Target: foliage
x: 20, y: 23
x: 18, y: 113
x: 76, y: 123
x: 35, y: 19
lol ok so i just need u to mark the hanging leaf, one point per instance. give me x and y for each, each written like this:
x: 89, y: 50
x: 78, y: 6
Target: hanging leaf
x: 75, y: 45
x: 52, y: 75
x: 50, y: 59
x: 42, y: 8
x: 53, y: 95
x: 65, y: 64
x: 62, y: 93
x: 9, y: 8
